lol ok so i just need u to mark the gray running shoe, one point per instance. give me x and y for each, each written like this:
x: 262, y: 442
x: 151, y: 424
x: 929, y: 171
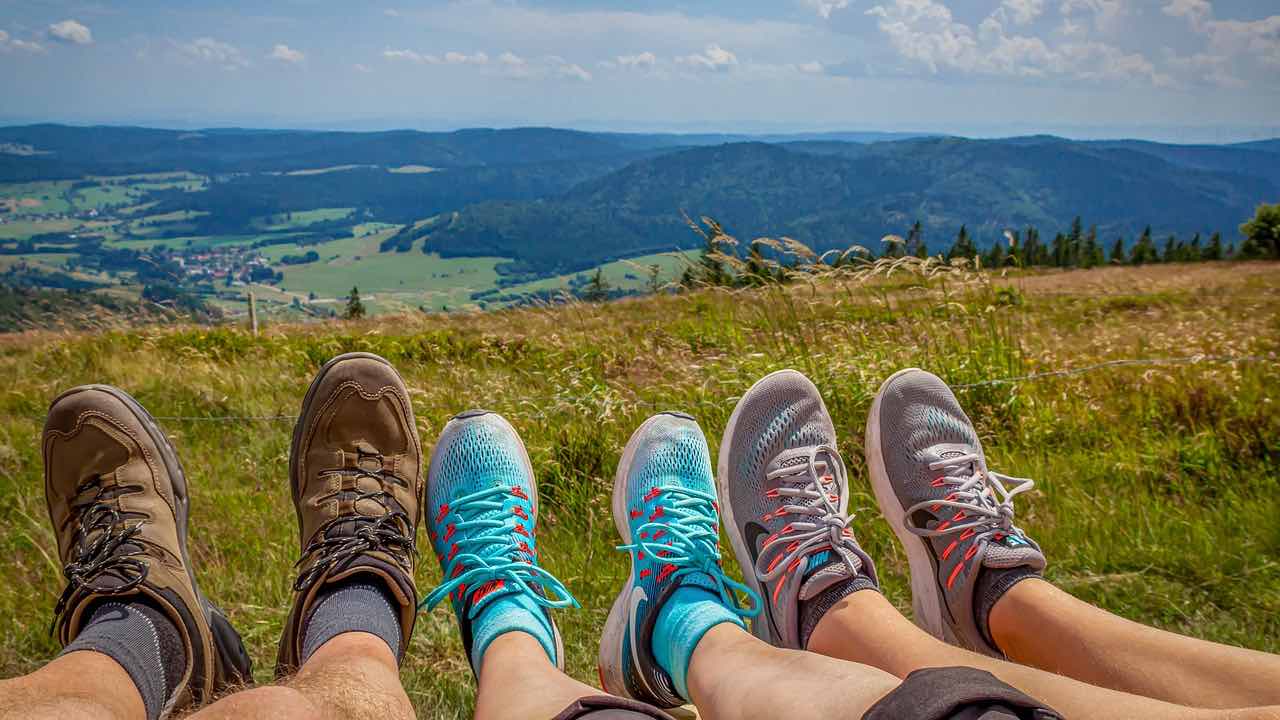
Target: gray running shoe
x: 784, y: 494
x: 953, y: 515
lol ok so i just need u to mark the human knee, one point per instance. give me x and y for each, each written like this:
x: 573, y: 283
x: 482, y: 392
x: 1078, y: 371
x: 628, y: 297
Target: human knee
x: 273, y: 701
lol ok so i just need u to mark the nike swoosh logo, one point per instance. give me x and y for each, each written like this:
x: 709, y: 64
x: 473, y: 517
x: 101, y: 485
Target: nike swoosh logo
x: 753, y: 531
x: 638, y: 595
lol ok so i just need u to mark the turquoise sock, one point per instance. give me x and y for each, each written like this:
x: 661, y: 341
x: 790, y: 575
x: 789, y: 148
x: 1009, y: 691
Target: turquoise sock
x: 514, y: 612
x: 682, y: 621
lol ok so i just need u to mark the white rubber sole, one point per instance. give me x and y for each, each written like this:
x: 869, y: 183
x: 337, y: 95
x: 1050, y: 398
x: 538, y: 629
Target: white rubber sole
x: 926, y: 597
x: 615, y: 627
x: 759, y: 627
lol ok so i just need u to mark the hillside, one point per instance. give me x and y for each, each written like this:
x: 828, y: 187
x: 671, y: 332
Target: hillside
x: 481, y: 217
x: 832, y: 195
x: 1155, y: 484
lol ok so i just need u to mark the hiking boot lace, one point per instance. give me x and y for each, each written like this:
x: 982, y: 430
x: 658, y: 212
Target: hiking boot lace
x: 491, y: 551
x: 823, y: 525
x: 102, y: 544
x: 682, y: 534
x: 390, y: 532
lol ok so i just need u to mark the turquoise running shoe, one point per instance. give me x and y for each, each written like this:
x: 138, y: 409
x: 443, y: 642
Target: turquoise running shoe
x: 482, y: 514
x: 664, y: 507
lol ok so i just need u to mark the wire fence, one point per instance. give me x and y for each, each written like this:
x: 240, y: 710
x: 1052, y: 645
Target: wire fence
x: 1012, y: 380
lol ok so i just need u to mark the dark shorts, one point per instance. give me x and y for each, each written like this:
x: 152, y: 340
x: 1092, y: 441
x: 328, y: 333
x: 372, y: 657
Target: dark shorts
x: 608, y: 707
x: 957, y: 693
x: 950, y: 693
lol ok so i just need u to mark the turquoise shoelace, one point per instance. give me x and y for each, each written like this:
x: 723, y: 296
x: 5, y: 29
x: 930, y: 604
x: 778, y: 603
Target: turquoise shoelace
x: 688, y: 539
x: 487, y: 543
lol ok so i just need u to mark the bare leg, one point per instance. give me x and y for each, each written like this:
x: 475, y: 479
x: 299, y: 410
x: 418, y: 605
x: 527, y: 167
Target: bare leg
x: 865, y: 628
x: 735, y: 676
x: 1037, y: 624
x: 354, y: 676
x: 77, y: 686
x: 518, y: 681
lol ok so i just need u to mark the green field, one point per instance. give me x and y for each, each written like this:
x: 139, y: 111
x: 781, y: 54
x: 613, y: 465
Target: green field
x: 387, y: 280
x: 22, y: 229
x: 631, y: 274
x: 302, y: 218
x: 1155, y: 485
x: 36, y: 198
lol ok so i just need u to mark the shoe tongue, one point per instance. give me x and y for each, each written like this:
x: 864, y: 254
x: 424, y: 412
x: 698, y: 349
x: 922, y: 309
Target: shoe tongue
x: 826, y: 568
x: 700, y: 580
x: 1012, y: 551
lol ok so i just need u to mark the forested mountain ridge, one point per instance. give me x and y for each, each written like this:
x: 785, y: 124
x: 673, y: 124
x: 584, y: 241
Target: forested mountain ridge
x: 832, y: 195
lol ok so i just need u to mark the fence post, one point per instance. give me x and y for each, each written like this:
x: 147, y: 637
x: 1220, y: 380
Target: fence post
x: 253, y: 313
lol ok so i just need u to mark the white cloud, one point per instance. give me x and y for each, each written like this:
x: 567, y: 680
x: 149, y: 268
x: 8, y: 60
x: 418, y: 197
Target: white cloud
x: 1022, y: 11
x: 639, y: 60
x: 391, y: 12
x: 411, y: 56
x: 925, y: 32
x: 359, y: 67
x: 206, y: 49
x: 457, y: 58
x: 824, y: 8
x: 1259, y: 39
x: 713, y: 58
x: 71, y: 32
x: 1206, y: 67
x: 811, y: 68
x: 450, y: 58
x: 286, y: 54
x: 1106, y: 13
x: 573, y: 71
x: 9, y: 43
x: 1195, y: 11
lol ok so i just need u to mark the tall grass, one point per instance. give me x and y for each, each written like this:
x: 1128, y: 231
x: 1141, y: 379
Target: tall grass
x: 1156, y: 485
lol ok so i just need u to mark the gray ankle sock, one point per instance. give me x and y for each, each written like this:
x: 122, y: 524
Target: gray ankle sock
x: 144, y: 641
x: 357, y: 606
x: 992, y: 584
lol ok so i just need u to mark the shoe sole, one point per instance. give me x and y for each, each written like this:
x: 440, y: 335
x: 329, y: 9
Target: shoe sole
x: 233, y: 661
x: 926, y: 597
x: 759, y: 626
x: 533, y: 495
x: 616, y: 626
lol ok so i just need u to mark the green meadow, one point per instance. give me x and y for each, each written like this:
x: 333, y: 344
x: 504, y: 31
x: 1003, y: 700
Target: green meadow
x: 1155, y: 495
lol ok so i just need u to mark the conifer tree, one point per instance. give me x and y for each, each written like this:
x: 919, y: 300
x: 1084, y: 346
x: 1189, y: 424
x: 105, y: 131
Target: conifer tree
x: 1117, y: 251
x: 963, y: 246
x: 355, y: 308
x: 915, y: 241
x: 1214, y: 250
x: 1144, y: 251
x: 1091, y: 253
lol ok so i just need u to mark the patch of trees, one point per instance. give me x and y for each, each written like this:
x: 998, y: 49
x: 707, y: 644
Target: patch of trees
x: 308, y: 257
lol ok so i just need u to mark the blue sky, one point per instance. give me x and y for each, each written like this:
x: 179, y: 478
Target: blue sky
x: 1171, y: 69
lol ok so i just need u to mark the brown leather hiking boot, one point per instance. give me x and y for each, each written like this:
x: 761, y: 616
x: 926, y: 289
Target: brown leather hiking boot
x: 356, y: 470
x: 117, y: 499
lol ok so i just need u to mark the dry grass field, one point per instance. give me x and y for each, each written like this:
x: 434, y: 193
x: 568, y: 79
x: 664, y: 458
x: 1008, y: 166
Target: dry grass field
x: 1156, y: 491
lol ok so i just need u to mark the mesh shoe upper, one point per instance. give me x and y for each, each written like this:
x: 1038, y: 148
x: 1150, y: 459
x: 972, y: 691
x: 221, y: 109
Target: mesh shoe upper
x: 665, y: 503
x: 482, y: 506
x: 787, y: 493
x: 960, y: 510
